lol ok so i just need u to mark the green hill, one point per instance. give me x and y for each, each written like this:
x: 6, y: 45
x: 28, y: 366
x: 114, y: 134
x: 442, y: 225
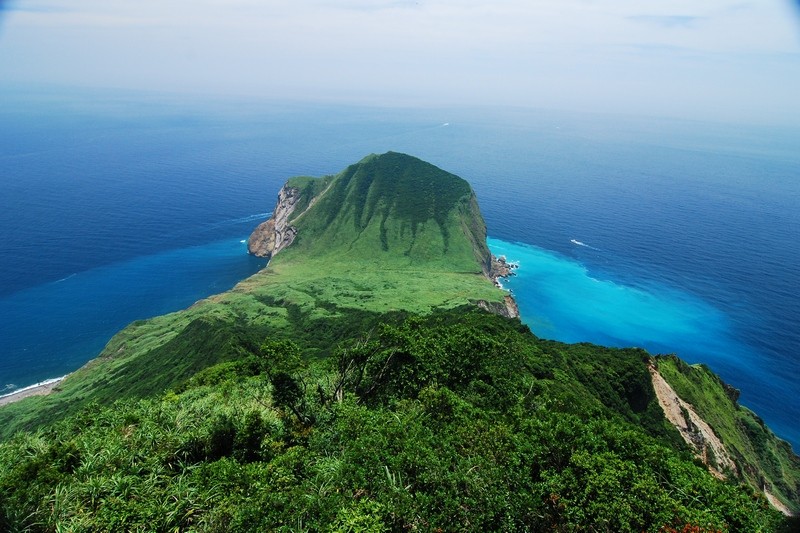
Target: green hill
x: 358, y: 384
x: 401, y: 208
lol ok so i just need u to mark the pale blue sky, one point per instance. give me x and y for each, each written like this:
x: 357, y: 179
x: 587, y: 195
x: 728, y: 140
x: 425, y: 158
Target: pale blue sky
x: 715, y: 59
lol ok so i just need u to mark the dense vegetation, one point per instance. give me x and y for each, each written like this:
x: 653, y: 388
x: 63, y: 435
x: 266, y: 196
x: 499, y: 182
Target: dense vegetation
x: 349, y: 387
x: 455, y: 421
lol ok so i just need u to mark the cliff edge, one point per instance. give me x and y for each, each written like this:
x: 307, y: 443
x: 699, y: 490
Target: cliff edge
x: 732, y: 441
x: 275, y: 234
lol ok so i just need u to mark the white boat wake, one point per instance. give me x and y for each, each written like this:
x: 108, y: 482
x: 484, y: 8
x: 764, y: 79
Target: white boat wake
x: 583, y: 244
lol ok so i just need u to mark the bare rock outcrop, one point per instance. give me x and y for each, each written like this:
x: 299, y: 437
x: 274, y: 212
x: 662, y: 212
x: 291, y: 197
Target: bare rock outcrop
x: 500, y: 268
x: 512, y: 311
x: 507, y: 308
x: 275, y: 234
x: 694, y: 430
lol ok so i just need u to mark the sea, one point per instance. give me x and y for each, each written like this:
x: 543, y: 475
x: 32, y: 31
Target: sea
x: 677, y: 236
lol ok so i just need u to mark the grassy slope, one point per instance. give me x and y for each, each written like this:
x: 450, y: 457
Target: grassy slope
x: 434, y: 253
x: 765, y: 459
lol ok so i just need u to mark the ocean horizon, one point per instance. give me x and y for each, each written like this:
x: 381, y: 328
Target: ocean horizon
x: 678, y: 237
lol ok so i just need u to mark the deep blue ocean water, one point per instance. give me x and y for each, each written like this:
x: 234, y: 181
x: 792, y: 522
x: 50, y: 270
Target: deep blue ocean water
x: 680, y: 237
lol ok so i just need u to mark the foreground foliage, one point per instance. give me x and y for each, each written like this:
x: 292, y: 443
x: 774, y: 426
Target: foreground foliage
x: 459, y: 421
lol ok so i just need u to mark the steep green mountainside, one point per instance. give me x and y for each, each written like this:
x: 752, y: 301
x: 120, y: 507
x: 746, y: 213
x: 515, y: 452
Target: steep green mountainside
x: 355, y: 385
x: 399, y: 208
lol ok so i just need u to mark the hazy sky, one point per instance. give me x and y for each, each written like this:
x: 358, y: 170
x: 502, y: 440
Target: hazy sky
x: 705, y: 59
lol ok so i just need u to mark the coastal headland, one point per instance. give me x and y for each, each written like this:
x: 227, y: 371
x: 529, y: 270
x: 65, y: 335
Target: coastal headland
x: 357, y: 382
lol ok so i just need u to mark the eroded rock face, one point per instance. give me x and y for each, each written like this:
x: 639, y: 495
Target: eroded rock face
x: 507, y: 309
x: 276, y: 233
x: 693, y: 429
x: 511, y: 306
x: 499, y: 268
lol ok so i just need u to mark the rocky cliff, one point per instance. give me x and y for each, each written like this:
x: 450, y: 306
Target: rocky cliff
x: 275, y: 234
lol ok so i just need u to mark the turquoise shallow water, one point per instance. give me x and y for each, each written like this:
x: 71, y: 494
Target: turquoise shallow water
x: 559, y: 298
